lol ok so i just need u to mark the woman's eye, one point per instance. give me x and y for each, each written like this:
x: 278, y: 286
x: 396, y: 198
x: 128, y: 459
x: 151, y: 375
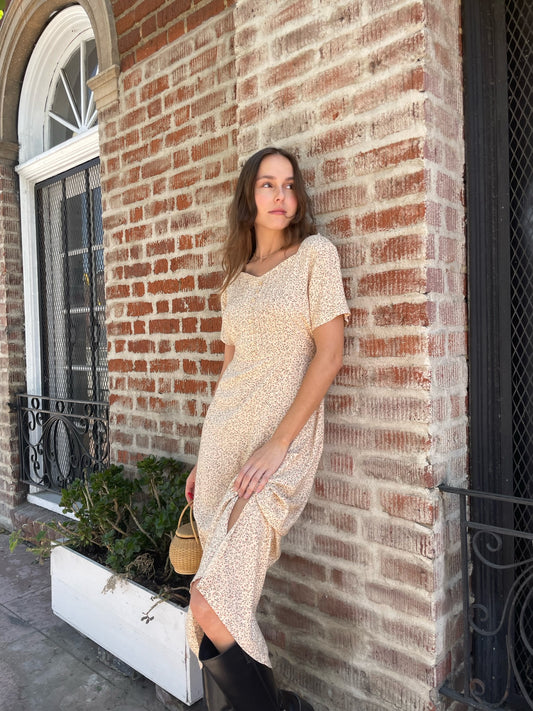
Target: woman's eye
x: 290, y: 186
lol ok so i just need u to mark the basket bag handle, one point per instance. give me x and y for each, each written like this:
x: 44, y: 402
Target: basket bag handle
x: 189, y: 508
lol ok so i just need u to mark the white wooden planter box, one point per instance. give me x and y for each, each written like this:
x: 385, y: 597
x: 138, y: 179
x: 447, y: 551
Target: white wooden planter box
x: 157, y: 650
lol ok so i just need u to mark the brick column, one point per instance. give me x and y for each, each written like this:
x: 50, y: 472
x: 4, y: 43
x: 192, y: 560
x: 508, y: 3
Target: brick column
x: 12, y: 357
x: 368, y: 94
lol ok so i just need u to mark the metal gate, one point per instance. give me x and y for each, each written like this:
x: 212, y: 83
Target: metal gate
x: 497, y: 513
x: 64, y: 429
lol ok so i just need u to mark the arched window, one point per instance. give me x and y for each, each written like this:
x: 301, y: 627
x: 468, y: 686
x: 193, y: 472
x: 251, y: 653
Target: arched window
x: 62, y: 235
x: 56, y: 104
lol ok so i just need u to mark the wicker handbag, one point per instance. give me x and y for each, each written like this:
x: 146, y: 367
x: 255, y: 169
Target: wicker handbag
x: 185, y: 550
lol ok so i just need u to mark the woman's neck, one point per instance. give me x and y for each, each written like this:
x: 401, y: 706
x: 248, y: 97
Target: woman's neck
x: 268, y: 244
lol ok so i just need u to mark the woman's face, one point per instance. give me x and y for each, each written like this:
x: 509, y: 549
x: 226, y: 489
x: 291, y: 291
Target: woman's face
x: 275, y: 198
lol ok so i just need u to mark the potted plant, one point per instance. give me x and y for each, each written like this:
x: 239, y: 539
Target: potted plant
x: 111, y: 576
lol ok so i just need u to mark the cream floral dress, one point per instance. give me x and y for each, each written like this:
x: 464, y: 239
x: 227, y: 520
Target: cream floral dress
x: 270, y: 320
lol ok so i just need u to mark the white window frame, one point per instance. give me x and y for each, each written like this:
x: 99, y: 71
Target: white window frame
x: 58, y: 41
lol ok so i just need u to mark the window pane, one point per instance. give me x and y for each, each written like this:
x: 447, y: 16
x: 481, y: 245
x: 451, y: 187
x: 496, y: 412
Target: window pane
x: 72, y: 110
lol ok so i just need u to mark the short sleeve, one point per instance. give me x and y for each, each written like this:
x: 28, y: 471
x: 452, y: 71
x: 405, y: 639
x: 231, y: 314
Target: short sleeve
x: 326, y: 292
x: 225, y: 331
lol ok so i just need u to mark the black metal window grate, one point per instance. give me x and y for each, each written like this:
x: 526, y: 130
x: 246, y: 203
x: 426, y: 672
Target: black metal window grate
x: 64, y: 430
x: 519, y: 28
x: 519, y: 20
x: 72, y: 289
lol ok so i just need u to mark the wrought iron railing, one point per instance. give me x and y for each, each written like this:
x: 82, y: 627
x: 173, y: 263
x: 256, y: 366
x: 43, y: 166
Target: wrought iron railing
x: 498, y: 613
x: 61, y: 440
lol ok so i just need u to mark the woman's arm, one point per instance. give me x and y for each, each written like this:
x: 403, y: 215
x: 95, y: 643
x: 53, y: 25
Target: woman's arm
x: 326, y: 363
x: 229, y: 352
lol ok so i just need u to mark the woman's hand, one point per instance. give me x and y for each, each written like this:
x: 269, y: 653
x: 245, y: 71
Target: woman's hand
x: 189, y: 484
x: 256, y: 472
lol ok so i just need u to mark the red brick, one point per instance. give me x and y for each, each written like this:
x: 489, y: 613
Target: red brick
x: 210, y: 281
x: 400, y: 186
x: 176, y: 31
x: 137, y: 270
x: 141, y: 346
x: 190, y: 366
x: 195, y: 345
x: 417, y: 573
x: 165, y: 325
x: 339, y: 199
x: 376, y: 30
x: 388, y: 156
x: 392, y: 218
x: 186, y: 178
x: 403, y: 314
x: 204, y: 13
x: 141, y: 384
x: 190, y: 386
x: 148, y: 27
x: 171, y: 286
x: 342, y: 609
x: 119, y: 365
x: 129, y: 40
x: 211, y: 325
x: 403, y: 537
x: 399, y: 248
x: 343, y: 492
x: 170, y: 12
x: 189, y: 325
x: 397, y: 346
x: 210, y: 147
x: 403, y: 377
x: 210, y: 367
x: 160, y: 365
x: 411, y: 507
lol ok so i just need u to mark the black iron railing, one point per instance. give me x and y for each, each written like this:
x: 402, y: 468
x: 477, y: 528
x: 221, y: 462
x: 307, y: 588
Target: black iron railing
x: 61, y: 440
x: 497, y: 669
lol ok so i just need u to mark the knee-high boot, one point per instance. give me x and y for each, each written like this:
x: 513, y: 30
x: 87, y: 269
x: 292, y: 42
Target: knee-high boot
x: 214, y: 697
x: 249, y: 685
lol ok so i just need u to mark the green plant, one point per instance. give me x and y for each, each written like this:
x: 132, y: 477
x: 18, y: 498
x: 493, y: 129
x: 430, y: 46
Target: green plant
x: 125, y: 523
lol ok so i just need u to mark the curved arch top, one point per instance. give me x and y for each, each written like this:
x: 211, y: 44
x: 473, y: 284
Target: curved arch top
x: 21, y: 27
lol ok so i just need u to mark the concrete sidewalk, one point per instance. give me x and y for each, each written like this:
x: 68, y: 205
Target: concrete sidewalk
x: 45, y: 665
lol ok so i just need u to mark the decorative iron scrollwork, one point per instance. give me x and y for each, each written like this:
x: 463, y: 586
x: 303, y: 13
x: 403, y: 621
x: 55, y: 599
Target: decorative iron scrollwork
x: 61, y: 440
x: 506, y: 621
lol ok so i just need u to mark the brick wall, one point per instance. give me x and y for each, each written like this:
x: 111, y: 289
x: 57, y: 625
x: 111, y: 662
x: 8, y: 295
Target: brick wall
x: 12, y: 363
x: 168, y: 161
x: 360, y: 610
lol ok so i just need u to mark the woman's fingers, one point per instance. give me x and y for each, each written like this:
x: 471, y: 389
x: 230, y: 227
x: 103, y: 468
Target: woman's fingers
x: 189, y: 485
x: 253, y: 482
x: 256, y: 472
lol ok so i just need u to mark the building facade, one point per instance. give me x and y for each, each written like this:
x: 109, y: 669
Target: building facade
x: 122, y: 128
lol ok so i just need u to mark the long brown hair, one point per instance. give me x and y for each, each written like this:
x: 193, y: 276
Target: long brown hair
x: 240, y: 244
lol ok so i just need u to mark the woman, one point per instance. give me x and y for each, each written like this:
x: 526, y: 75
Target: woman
x: 282, y: 325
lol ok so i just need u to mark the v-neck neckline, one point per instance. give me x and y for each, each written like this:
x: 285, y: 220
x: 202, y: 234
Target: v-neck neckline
x: 283, y: 261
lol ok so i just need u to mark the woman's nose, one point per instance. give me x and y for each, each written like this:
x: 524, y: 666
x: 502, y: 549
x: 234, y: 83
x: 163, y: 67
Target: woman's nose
x: 280, y: 193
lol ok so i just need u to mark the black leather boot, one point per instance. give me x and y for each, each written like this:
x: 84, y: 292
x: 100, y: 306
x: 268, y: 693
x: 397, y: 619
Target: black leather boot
x: 214, y: 698
x: 241, y: 680
x: 249, y: 685
x: 289, y: 701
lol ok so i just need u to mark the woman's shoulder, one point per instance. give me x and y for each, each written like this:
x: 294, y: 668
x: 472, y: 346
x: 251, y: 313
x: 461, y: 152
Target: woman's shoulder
x: 317, y: 241
x: 318, y: 244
